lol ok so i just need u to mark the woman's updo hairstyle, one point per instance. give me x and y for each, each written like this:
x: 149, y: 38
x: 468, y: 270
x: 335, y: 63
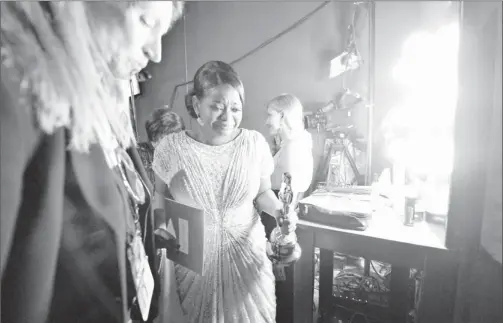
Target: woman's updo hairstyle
x: 209, y: 76
x: 291, y: 108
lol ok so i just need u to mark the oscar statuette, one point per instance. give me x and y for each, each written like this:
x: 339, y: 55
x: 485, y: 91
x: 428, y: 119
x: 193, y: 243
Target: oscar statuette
x: 282, y: 247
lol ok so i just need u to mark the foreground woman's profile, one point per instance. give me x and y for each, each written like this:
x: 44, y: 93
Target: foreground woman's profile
x: 65, y: 209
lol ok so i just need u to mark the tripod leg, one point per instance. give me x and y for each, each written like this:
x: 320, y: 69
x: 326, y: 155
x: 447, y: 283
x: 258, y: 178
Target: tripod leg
x: 353, y: 165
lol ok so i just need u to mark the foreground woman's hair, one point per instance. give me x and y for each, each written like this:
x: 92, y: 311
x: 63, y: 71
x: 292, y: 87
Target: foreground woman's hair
x: 58, y: 53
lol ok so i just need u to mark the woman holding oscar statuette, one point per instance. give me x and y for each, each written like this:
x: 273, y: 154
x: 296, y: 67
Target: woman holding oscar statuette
x: 224, y: 170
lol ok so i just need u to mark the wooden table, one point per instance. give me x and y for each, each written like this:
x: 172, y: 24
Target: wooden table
x: 386, y: 240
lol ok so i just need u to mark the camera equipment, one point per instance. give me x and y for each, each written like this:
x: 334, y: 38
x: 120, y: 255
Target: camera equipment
x: 340, y: 108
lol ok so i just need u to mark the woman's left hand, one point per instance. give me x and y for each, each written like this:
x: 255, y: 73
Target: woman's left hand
x: 288, y: 224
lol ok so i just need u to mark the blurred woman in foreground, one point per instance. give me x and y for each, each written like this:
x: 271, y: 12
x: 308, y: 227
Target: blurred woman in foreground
x: 67, y: 184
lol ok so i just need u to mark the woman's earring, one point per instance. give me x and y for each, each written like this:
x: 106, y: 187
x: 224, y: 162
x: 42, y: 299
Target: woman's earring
x: 201, y: 123
x: 281, y: 125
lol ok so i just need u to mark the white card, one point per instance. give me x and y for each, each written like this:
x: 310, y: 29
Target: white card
x: 183, y: 236
x: 188, y: 224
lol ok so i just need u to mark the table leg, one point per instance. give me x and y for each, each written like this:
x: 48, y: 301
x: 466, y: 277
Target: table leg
x: 399, y: 292
x: 284, y: 297
x: 326, y: 283
x: 438, y: 288
x: 303, y: 278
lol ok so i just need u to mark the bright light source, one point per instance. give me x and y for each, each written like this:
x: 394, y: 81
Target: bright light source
x: 428, y: 72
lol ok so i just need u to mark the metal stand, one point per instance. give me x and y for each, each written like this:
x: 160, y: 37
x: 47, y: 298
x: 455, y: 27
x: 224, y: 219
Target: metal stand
x: 341, y: 146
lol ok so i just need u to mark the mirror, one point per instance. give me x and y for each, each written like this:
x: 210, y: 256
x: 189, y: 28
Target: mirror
x: 416, y: 82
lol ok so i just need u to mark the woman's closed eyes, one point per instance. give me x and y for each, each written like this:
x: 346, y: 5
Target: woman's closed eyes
x: 219, y: 107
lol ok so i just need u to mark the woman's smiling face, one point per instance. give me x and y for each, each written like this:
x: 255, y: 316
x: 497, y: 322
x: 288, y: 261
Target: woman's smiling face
x: 220, y: 111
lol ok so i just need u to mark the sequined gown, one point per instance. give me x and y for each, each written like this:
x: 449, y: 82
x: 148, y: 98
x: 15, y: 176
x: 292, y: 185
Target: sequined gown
x: 238, y: 283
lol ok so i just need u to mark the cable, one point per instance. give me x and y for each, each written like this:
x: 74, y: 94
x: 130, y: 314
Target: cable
x: 284, y: 32
x: 355, y: 313
x: 375, y: 270
x: 358, y: 314
x: 259, y: 47
x: 186, y: 64
x: 185, y: 53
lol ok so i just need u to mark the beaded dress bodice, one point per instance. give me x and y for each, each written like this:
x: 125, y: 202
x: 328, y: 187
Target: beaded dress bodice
x: 237, y: 282
x: 215, y: 161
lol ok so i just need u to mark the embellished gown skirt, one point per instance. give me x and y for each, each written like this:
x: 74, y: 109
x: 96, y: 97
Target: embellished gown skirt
x: 238, y: 284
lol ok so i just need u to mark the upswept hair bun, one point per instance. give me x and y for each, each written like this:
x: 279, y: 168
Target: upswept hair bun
x: 209, y: 76
x: 291, y: 108
x: 162, y: 122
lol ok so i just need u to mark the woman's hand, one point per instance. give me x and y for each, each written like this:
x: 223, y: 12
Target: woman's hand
x: 269, y: 203
x: 288, y: 224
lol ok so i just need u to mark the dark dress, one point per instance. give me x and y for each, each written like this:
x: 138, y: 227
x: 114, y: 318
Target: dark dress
x: 63, y: 226
x: 146, y: 155
x: 146, y: 152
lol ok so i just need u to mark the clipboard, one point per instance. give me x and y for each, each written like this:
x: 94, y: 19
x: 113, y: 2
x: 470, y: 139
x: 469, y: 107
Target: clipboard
x: 186, y: 223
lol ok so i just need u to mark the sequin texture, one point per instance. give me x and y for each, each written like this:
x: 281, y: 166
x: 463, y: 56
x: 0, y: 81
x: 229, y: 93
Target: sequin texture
x: 238, y: 283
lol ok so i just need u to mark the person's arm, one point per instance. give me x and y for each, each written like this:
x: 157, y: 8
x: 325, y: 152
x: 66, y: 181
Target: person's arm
x: 19, y: 138
x: 164, y: 239
x: 277, y: 175
x: 162, y: 164
x: 266, y: 200
x: 160, y: 193
x: 299, y: 163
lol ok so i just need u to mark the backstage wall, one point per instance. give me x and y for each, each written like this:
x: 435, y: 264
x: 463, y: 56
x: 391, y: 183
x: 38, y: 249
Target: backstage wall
x: 298, y: 62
